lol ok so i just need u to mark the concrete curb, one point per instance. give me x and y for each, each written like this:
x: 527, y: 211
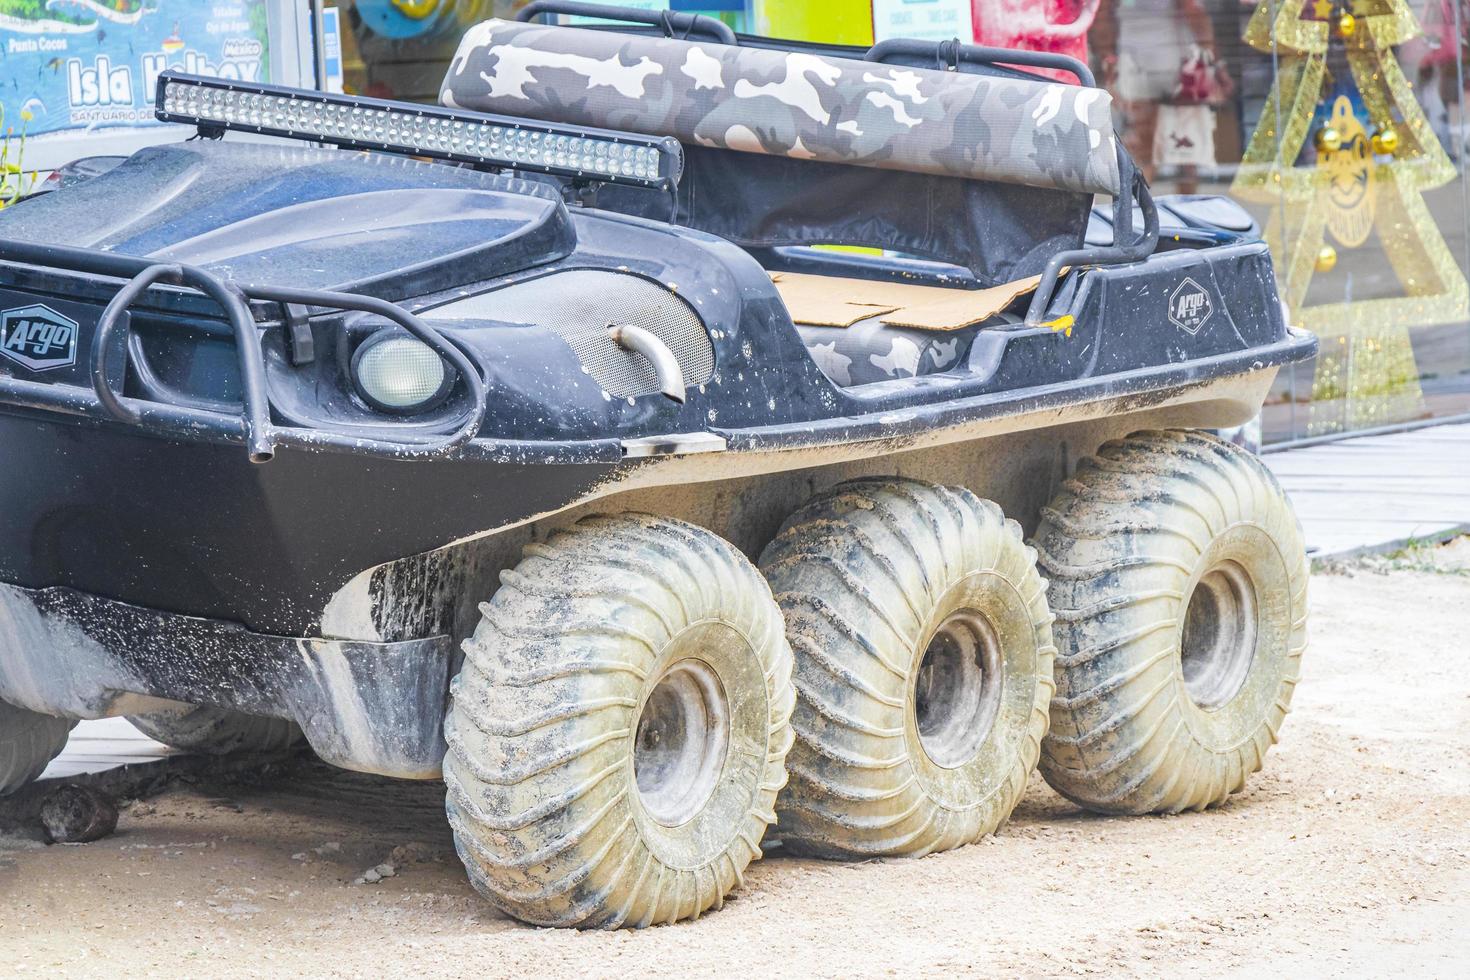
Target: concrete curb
x: 1321, y: 561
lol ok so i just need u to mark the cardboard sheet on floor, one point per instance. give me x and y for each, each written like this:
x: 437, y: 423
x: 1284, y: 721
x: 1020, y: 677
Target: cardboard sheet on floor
x: 834, y: 301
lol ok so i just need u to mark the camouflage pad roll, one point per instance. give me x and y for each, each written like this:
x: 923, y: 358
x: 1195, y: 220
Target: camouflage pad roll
x: 953, y: 124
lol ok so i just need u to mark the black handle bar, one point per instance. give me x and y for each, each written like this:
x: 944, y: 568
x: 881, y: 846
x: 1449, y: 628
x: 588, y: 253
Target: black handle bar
x: 672, y: 22
x: 1129, y: 245
x: 952, y: 53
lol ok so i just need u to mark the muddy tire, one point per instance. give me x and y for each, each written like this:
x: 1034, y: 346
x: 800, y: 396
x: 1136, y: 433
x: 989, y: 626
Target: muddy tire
x: 1179, y: 582
x: 923, y: 668
x: 28, y: 743
x: 217, y: 731
x: 618, y: 733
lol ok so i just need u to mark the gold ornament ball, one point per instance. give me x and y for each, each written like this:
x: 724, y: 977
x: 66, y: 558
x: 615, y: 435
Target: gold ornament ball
x: 1347, y: 24
x: 1329, y: 140
x: 1326, y: 258
x: 1385, y: 141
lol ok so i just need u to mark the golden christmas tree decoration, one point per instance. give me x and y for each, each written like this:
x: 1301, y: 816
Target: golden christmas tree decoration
x: 1347, y: 25
x: 1329, y: 140
x: 1368, y: 193
x: 1351, y: 187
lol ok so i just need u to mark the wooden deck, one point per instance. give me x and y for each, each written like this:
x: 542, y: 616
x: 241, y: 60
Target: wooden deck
x: 1379, y: 493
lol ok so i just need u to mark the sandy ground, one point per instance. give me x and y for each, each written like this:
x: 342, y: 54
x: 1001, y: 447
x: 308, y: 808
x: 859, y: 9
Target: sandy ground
x: 1349, y: 855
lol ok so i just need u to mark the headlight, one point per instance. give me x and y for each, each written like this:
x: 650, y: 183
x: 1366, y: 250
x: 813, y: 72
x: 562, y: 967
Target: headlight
x: 399, y: 374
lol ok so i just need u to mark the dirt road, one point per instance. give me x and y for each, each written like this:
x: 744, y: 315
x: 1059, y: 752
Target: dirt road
x: 1349, y: 855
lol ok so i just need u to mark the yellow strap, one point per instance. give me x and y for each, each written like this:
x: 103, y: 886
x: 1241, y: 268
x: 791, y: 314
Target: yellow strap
x: 416, y: 9
x: 1062, y: 323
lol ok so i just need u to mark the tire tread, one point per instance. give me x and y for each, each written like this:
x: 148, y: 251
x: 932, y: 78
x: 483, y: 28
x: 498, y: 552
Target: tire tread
x: 853, y: 788
x: 543, y: 715
x: 28, y: 742
x: 1120, y: 539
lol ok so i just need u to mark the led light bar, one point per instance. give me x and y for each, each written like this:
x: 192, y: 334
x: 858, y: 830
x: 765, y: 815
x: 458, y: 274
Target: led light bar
x: 420, y: 130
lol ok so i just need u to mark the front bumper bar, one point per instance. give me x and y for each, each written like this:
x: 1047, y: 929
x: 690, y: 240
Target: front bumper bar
x: 260, y: 434
x: 371, y: 707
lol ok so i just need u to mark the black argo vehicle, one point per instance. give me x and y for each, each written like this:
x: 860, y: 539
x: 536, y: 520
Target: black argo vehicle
x: 535, y: 442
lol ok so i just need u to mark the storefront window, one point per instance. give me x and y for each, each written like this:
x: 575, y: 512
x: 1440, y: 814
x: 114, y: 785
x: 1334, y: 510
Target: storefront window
x: 399, y: 49
x: 79, y: 77
x: 1338, y: 124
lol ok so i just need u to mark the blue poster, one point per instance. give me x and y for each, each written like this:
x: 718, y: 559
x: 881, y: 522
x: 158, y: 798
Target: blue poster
x: 69, y: 65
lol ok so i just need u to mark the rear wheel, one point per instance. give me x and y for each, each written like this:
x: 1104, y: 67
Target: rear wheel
x: 923, y: 667
x: 217, y: 731
x: 1179, y: 581
x: 619, y: 730
x: 28, y: 743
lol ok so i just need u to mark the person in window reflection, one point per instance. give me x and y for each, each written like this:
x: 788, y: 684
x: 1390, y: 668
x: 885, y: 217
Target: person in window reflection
x: 1437, y: 54
x: 1160, y: 61
x: 1056, y: 26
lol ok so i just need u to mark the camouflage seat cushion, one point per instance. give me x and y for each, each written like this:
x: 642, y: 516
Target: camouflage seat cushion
x: 794, y: 104
x: 870, y: 351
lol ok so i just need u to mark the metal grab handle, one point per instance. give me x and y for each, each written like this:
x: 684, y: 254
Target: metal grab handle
x: 259, y: 441
x: 473, y: 419
x: 953, y: 52
x: 666, y: 367
x: 1126, y: 247
x: 669, y: 20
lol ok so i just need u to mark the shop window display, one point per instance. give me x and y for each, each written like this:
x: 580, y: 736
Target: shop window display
x: 1161, y: 61
x: 1058, y: 26
x: 398, y: 49
x: 1338, y: 124
x: 1355, y: 177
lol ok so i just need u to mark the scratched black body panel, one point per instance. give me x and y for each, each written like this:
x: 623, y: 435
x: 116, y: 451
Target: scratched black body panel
x: 187, y: 525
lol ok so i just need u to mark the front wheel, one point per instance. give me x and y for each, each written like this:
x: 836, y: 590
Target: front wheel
x: 618, y: 733
x: 1179, y: 582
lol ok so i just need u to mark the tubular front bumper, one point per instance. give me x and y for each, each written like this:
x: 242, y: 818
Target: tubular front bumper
x: 253, y: 425
x: 372, y: 707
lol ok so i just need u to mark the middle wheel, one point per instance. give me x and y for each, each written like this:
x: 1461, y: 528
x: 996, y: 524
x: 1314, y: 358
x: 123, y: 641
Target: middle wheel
x: 923, y: 667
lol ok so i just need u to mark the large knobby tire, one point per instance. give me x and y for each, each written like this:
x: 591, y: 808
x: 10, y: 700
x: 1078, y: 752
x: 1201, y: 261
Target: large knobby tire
x: 217, y: 731
x: 619, y: 730
x: 1179, y: 582
x: 28, y: 743
x: 923, y: 667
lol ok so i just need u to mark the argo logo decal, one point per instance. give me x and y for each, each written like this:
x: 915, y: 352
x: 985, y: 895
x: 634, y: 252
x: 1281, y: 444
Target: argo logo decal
x: 1190, y: 306
x: 38, y: 338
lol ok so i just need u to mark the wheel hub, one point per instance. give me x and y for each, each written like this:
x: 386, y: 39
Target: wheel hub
x: 957, y: 689
x: 682, y: 738
x: 1218, y: 641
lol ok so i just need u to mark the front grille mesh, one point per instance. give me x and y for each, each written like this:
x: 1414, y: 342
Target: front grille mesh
x: 579, y: 306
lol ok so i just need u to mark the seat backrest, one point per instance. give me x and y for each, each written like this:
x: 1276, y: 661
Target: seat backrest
x: 836, y: 110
